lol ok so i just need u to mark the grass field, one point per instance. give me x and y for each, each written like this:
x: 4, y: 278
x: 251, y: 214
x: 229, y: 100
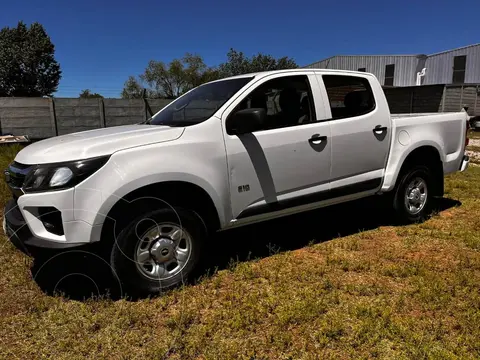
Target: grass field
x: 338, y: 283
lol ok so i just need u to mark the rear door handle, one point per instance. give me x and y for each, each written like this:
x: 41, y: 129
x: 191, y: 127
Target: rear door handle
x: 316, y: 139
x: 379, y: 129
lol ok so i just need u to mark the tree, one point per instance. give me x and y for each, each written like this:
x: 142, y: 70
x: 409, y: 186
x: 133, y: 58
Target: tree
x: 132, y: 89
x: 196, y: 72
x: 27, y: 63
x: 181, y: 75
x: 86, y: 94
x: 171, y: 80
x: 237, y: 63
x: 168, y: 81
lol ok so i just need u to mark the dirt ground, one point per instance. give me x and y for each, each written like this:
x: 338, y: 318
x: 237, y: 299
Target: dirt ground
x: 473, y: 150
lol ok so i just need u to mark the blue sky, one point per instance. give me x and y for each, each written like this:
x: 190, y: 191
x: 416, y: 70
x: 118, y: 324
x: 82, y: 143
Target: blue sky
x: 100, y: 43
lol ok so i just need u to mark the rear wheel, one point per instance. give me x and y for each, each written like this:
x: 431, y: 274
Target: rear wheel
x: 158, y: 250
x: 413, y: 196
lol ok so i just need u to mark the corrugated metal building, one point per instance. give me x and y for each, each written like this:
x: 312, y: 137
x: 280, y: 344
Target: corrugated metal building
x: 457, y: 66
x: 440, y: 66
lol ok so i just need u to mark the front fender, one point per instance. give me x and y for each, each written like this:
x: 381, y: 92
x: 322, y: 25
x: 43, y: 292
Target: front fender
x: 126, y: 172
x: 127, y: 188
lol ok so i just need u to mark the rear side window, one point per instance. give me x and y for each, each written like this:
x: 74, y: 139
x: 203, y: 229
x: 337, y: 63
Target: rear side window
x: 349, y: 96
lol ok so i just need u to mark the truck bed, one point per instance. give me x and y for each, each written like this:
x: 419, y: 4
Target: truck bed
x: 444, y: 131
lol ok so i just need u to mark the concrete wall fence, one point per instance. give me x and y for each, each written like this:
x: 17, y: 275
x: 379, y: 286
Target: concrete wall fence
x: 41, y: 118
x: 434, y: 98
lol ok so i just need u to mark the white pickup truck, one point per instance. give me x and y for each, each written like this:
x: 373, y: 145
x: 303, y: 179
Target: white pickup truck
x: 227, y: 153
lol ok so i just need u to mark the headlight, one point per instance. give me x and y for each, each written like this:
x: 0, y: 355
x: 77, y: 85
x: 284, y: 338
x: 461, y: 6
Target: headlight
x: 61, y: 175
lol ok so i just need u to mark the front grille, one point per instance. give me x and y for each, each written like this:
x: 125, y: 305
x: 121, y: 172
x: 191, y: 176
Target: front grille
x: 15, y: 176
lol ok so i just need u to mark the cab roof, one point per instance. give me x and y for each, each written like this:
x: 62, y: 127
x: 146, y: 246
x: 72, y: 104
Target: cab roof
x: 312, y: 70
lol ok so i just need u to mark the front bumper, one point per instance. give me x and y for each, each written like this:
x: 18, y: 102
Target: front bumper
x: 14, y: 227
x: 17, y: 229
x: 50, y: 219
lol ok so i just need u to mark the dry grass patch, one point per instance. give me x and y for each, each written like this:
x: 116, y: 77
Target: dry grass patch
x: 474, y: 134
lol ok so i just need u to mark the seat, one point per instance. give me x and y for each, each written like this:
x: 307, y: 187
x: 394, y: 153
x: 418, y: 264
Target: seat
x: 259, y: 101
x: 289, y: 101
x: 305, y: 110
x: 356, y: 103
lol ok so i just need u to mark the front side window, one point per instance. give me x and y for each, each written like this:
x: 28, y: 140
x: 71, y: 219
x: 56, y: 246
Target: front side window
x: 287, y: 100
x: 349, y: 96
x: 199, y: 104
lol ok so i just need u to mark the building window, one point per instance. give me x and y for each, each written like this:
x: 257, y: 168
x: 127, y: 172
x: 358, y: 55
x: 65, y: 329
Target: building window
x: 389, y: 74
x: 459, y: 65
x: 362, y: 69
x: 349, y: 96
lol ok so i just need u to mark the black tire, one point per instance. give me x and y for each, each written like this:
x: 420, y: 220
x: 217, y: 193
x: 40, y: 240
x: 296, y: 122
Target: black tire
x: 403, y: 214
x: 124, y: 248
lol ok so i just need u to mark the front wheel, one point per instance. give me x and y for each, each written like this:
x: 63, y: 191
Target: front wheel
x: 158, y: 250
x: 412, y: 200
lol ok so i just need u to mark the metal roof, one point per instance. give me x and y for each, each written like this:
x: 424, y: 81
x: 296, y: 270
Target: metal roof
x: 434, y: 54
x: 460, y: 48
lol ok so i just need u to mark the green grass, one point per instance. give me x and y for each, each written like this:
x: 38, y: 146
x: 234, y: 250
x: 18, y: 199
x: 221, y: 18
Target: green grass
x: 410, y: 292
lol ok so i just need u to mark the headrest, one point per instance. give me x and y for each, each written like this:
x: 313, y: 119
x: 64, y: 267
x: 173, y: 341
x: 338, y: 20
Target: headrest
x: 355, y: 99
x: 305, y: 102
x: 258, y: 101
x: 289, y: 99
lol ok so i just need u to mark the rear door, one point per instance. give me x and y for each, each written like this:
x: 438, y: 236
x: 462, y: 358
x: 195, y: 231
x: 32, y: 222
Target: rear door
x: 361, y: 131
x: 281, y: 166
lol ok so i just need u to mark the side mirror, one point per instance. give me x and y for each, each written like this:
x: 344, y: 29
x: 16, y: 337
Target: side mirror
x: 246, y: 121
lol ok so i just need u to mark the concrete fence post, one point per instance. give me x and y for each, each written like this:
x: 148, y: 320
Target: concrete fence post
x: 53, y: 118
x: 476, y: 100
x: 444, y: 95
x: 101, y: 106
x: 461, y: 98
x: 145, y: 109
x: 412, y: 95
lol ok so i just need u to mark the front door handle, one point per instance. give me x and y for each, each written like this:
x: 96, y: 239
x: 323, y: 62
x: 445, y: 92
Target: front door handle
x: 379, y: 129
x: 316, y: 139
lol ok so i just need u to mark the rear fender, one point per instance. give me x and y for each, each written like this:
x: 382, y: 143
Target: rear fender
x: 399, y: 155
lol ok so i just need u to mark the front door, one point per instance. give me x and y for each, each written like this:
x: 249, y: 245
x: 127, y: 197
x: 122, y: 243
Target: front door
x: 287, y: 160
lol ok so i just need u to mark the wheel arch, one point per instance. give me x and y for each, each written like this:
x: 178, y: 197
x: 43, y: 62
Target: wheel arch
x: 429, y: 156
x: 156, y: 195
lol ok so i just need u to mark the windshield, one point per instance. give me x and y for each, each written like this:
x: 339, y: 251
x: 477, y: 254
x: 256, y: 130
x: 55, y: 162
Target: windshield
x: 199, y: 104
